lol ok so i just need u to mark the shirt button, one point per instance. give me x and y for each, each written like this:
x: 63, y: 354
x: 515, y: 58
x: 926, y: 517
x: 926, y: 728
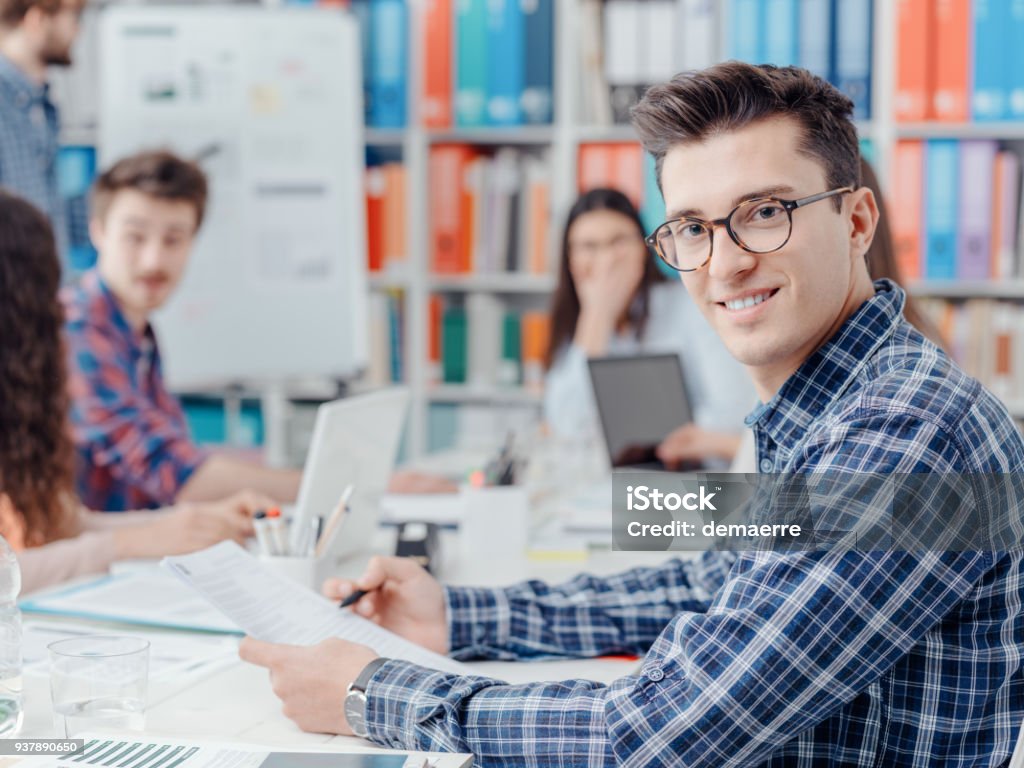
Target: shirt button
x: 767, y: 465
x: 654, y: 673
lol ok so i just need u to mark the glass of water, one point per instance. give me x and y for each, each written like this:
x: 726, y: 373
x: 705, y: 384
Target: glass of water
x: 99, y: 682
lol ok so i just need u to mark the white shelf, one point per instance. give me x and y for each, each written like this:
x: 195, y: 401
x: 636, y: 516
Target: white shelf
x: 79, y: 135
x: 936, y: 130
x: 496, y: 283
x: 866, y: 129
x: 386, y: 282
x: 524, y: 135
x: 602, y: 133
x: 466, y: 393
x: 384, y: 137
x: 969, y: 289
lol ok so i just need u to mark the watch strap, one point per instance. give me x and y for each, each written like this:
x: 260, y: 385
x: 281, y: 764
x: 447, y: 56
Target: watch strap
x: 363, y: 679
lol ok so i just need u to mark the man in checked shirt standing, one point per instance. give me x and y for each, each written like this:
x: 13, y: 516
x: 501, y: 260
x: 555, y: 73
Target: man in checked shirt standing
x: 893, y: 657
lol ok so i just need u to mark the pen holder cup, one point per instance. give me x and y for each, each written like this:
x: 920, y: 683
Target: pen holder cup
x: 495, y: 524
x: 308, y: 571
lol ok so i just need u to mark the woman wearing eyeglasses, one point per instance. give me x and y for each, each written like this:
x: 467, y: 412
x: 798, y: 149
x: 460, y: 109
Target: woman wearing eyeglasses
x: 612, y: 299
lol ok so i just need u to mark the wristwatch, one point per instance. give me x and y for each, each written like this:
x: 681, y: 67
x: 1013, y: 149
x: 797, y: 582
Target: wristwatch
x: 355, y: 699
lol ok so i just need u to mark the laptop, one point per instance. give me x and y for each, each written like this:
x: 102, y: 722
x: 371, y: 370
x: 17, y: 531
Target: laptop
x: 355, y: 441
x: 640, y: 399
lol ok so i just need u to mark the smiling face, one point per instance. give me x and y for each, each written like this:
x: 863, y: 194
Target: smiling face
x: 771, y: 310
x: 143, y: 244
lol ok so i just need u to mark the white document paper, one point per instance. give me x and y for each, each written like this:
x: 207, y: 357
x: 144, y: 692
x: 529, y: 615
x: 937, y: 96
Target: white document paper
x: 146, y: 596
x: 172, y: 656
x: 272, y: 608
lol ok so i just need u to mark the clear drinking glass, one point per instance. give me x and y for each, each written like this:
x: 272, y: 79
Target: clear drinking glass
x: 98, y: 682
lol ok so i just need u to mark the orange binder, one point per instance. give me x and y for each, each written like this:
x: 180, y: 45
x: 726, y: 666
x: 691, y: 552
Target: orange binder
x: 449, y: 205
x: 914, y: 43
x: 394, y: 216
x: 950, y: 57
x: 906, y: 207
x: 594, y: 166
x: 375, y: 187
x: 628, y: 172
x: 539, y: 226
x: 437, y: 64
x: 536, y: 330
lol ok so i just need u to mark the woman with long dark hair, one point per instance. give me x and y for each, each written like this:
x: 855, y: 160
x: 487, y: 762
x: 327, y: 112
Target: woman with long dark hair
x: 54, y: 538
x: 612, y: 299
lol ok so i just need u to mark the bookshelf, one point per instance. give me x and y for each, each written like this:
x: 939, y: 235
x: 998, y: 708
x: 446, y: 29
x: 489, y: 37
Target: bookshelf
x: 571, y: 130
x: 561, y: 141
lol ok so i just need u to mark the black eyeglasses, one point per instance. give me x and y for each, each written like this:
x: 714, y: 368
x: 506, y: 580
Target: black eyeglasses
x: 761, y: 225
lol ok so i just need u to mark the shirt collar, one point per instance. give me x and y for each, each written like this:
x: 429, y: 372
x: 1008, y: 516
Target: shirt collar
x: 104, y: 309
x: 24, y: 89
x: 827, y: 373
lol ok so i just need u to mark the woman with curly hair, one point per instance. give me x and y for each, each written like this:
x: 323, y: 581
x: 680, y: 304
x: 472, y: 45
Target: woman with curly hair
x: 54, y: 537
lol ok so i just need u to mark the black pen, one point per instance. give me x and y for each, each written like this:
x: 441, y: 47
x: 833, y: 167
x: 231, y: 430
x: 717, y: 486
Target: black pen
x: 354, y: 598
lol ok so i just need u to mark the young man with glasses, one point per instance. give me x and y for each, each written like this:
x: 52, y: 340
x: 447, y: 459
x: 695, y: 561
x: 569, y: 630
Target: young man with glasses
x: 34, y: 35
x: 844, y: 656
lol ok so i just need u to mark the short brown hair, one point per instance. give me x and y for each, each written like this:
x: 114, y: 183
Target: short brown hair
x: 726, y: 97
x: 12, y: 12
x: 160, y: 174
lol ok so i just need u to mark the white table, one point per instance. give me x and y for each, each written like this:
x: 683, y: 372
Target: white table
x: 237, y: 704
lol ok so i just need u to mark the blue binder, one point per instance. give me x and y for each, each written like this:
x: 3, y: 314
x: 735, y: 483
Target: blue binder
x: 990, y: 99
x: 780, y: 29
x: 852, y: 43
x: 942, y: 185
x: 1014, y: 68
x: 539, y: 60
x: 389, y: 35
x: 506, y: 50
x: 471, y: 63
x: 815, y: 50
x: 745, y: 25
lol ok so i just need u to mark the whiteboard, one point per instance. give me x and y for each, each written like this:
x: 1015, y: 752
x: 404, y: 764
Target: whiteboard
x: 276, y: 288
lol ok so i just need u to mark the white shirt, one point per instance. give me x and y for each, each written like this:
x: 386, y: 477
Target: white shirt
x: 720, y: 391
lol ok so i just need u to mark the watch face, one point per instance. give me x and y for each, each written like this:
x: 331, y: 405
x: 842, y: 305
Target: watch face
x: 355, y: 713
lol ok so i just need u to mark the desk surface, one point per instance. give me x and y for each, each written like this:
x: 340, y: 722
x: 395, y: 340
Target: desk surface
x: 236, y: 703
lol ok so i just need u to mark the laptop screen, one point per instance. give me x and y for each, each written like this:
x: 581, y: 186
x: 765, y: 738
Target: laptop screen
x: 640, y: 400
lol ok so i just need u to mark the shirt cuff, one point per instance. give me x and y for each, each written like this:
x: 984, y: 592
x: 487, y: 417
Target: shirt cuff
x: 399, y: 695
x: 477, y: 618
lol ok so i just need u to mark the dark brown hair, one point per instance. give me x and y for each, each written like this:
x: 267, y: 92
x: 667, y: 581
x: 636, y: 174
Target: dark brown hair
x: 881, y: 257
x: 565, y: 302
x: 159, y: 174
x: 35, y: 444
x: 12, y: 12
x: 730, y: 96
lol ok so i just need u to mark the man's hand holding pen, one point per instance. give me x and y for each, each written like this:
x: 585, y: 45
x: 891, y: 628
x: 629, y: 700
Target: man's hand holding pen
x: 400, y: 596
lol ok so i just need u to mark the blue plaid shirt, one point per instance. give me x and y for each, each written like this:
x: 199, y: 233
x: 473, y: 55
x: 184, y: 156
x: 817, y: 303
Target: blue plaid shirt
x: 759, y: 658
x: 29, y: 140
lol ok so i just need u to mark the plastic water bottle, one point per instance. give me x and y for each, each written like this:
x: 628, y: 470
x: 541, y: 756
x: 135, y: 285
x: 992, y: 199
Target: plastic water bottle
x: 11, y: 714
